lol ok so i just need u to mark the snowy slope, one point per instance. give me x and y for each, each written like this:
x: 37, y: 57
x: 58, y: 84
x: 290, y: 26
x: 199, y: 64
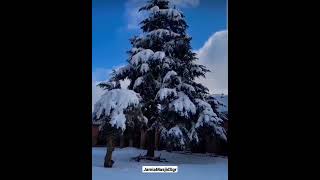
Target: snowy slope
x: 190, y: 167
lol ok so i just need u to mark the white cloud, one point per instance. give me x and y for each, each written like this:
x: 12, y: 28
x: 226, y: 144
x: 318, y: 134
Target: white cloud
x: 214, y: 55
x: 102, y: 74
x: 134, y: 17
x: 186, y: 3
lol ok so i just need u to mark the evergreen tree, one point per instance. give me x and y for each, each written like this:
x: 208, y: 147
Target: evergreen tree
x: 162, y: 68
x: 116, y: 110
x: 218, y: 106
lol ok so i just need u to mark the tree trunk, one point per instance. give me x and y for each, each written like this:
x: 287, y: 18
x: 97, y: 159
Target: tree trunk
x: 108, y: 162
x: 130, y: 142
x: 95, y: 134
x: 142, y: 138
x: 151, y: 147
x: 212, y: 145
x: 156, y: 140
x: 122, y: 141
x: 169, y: 147
x: 207, y: 141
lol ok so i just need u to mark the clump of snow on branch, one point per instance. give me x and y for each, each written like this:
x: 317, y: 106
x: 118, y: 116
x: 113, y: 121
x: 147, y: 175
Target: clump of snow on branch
x: 154, y: 9
x: 113, y: 104
x: 168, y: 76
x: 187, y: 87
x: 162, y: 33
x: 193, y: 135
x: 135, y: 50
x: 154, y: 36
x: 138, y: 82
x: 170, y: 13
x: 159, y: 34
x: 163, y: 93
x: 142, y: 56
x: 175, y: 132
x: 144, y: 68
x: 145, y: 55
x: 159, y: 55
x: 176, y: 137
x: 183, y: 105
x: 123, y: 70
x: 165, y: 65
x: 207, y: 118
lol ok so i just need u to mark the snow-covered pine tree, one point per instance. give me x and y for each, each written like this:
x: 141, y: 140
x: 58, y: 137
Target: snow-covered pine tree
x: 162, y: 68
x: 181, y: 100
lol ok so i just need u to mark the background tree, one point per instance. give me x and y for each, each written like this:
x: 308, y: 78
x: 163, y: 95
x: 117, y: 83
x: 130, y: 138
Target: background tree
x: 115, y: 111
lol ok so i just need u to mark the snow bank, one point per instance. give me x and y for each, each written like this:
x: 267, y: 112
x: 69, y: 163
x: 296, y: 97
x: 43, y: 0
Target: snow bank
x: 191, y: 166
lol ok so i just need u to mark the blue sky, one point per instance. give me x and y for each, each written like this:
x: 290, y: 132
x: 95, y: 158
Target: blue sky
x: 110, y: 31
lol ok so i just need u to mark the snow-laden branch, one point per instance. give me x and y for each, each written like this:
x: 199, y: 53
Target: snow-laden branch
x: 113, y: 103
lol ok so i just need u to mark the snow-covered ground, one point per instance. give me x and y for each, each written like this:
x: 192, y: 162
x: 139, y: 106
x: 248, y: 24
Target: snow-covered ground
x: 190, y: 166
